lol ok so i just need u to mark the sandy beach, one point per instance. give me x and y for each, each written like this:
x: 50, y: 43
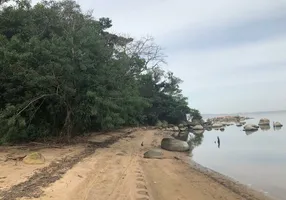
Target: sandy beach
x: 118, y: 171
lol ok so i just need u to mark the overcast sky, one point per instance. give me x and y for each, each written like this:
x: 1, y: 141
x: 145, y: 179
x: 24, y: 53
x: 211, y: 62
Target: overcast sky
x: 231, y: 54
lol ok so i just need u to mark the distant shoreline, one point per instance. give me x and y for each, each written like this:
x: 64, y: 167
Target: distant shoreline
x: 244, y: 113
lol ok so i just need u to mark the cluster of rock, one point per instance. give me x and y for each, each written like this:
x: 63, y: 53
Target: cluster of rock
x: 231, y: 119
x: 199, y: 126
x: 219, y: 123
x: 264, y: 124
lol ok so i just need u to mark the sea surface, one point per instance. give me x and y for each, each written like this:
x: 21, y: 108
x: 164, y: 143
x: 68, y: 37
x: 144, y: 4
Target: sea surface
x: 255, y: 159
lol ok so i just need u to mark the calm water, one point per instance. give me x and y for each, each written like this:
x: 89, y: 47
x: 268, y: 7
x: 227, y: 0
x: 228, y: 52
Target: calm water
x: 257, y: 159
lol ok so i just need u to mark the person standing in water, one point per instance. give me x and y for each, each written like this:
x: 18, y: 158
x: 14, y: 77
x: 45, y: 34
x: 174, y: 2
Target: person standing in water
x: 218, y: 142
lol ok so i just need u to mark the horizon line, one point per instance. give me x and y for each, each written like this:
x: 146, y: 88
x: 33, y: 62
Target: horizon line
x: 237, y: 113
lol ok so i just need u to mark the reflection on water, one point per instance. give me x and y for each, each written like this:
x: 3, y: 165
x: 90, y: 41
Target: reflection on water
x: 253, y: 158
x: 193, y: 139
x: 265, y: 127
x: 250, y: 132
x: 198, y: 132
x: 277, y: 128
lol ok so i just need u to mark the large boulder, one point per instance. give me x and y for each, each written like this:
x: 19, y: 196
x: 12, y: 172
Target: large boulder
x: 198, y: 127
x: 217, y: 125
x: 198, y: 132
x: 34, y: 158
x: 154, y: 153
x: 176, y: 128
x: 250, y: 127
x: 171, y: 144
x: 277, y: 124
x: 196, y: 122
x: 264, y: 122
x: 182, y: 129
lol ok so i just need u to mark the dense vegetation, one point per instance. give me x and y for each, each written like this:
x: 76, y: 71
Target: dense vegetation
x: 62, y: 73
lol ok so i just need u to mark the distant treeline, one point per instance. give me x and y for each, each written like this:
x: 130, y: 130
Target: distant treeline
x: 62, y: 73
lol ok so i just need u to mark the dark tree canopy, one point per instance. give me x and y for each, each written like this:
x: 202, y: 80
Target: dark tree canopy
x: 62, y: 73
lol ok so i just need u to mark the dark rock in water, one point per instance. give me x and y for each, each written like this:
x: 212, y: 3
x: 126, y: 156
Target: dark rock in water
x: 227, y: 123
x: 277, y: 124
x: 198, y: 127
x: 154, y: 153
x: 183, y: 129
x: 251, y: 127
x: 171, y: 144
x: 217, y: 125
x: 264, y: 122
x: 221, y: 129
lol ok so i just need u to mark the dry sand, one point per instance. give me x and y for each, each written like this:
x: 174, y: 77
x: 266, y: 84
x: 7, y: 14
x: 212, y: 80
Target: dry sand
x: 119, y: 172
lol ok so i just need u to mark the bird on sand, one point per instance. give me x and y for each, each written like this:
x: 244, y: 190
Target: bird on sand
x: 142, y: 144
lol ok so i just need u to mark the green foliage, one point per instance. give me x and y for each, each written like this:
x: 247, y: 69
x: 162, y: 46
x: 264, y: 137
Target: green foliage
x: 196, y: 114
x: 63, y: 73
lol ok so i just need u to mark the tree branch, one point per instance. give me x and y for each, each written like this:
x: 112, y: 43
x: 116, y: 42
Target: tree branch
x: 34, y: 100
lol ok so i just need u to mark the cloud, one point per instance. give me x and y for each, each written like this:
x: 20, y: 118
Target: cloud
x: 230, y: 54
x: 250, y: 59
x: 217, y: 37
x: 239, y: 78
x: 159, y: 17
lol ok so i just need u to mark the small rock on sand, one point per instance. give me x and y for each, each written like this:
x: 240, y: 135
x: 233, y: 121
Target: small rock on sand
x: 34, y: 158
x: 154, y: 153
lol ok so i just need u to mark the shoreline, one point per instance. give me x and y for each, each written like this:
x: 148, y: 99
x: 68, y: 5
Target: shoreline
x: 245, y: 191
x: 176, y: 176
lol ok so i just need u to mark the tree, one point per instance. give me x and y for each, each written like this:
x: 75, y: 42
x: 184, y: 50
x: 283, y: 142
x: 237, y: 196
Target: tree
x: 62, y: 73
x: 196, y: 114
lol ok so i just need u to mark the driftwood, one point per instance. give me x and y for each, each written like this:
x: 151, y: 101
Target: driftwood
x: 16, y: 158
